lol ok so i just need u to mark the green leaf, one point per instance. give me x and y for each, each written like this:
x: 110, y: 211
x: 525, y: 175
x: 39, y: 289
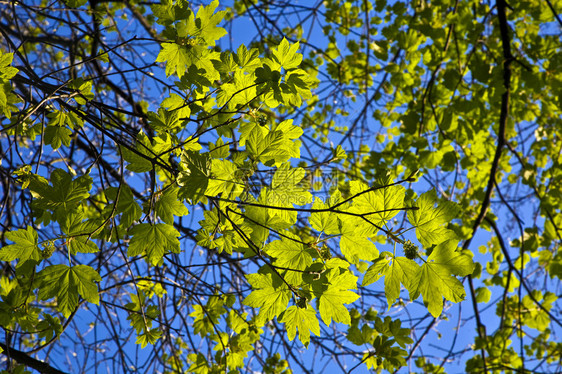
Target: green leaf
x: 269, y: 294
x: 176, y: 104
x: 353, y: 243
x: 67, y: 284
x: 56, y: 136
x: 303, y: 319
x: 207, y: 23
x: 154, y: 240
x: 139, y: 158
x: 6, y: 70
x: 224, y: 180
x: 248, y: 60
x: 25, y: 246
x: 392, y: 328
x: 5, y: 90
x: 286, y: 56
x: 288, y: 188
x: 356, y: 248
x: 200, y: 364
x: 240, y: 91
x: 331, y: 301
x: 381, y: 204
x: 85, y: 89
x: 435, y: 280
x: 103, y: 56
x: 78, y: 231
x: 289, y: 181
x: 169, y: 11
x: 176, y: 57
x: 75, y: 3
x: 434, y: 283
x: 326, y: 222
x: 64, y: 195
x: 375, y: 271
x: 269, y: 148
x: 401, y: 271
x: 148, y: 337
x: 167, y: 206
x: 207, y: 317
x: 219, y: 149
x: 194, y: 180
x: 483, y: 295
x: 129, y: 209
x: 290, y: 253
x: 456, y: 262
x: 49, y: 327
x: 179, y: 58
x: 430, y: 221
x: 261, y: 220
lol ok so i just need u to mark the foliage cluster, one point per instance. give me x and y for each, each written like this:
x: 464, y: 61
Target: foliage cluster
x: 309, y: 196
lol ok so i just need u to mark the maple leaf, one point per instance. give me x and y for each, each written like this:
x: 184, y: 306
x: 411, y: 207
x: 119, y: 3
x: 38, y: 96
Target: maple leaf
x: 401, y: 271
x: 194, y: 180
x: 6, y: 70
x: 381, y: 204
x: 267, y: 149
x: 241, y: 90
x: 77, y: 231
x: 375, y: 271
x: 249, y: 60
x: 270, y: 294
x: 154, y: 240
x: 179, y: 57
x: 67, y: 284
x: 290, y: 253
x: 167, y: 12
x: 25, y: 246
x: 430, y: 221
x: 353, y: 243
x: 130, y: 209
x: 326, y: 222
x: 177, y: 105
x: 139, y: 161
x: 435, y: 279
x: 148, y: 337
x: 224, y: 180
x: 286, y: 56
x: 207, y: 23
x: 56, y: 136
x: 64, y: 194
x: 168, y: 206
x: 303, y: 319
x: 287, y: 186
x: 331, y: 301
x: 286, y: 191
x: 261, y: 220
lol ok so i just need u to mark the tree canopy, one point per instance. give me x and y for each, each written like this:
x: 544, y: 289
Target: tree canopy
x: 277, y: 186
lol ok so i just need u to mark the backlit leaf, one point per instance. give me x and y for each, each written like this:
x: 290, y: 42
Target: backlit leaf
x: 430, y: 221
x: 332, y: 300
x: 167, y: 206
x: 303, y: 319
x: 154, y: 241
x: 25, y: 246
x: 269, y: 294
x: 67, y: 284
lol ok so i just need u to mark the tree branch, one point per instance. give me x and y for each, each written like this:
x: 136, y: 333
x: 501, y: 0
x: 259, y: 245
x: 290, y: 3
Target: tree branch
x: 25, y: 359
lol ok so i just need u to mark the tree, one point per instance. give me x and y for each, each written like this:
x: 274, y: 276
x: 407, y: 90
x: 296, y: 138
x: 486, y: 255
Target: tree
x: 273, y: 186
